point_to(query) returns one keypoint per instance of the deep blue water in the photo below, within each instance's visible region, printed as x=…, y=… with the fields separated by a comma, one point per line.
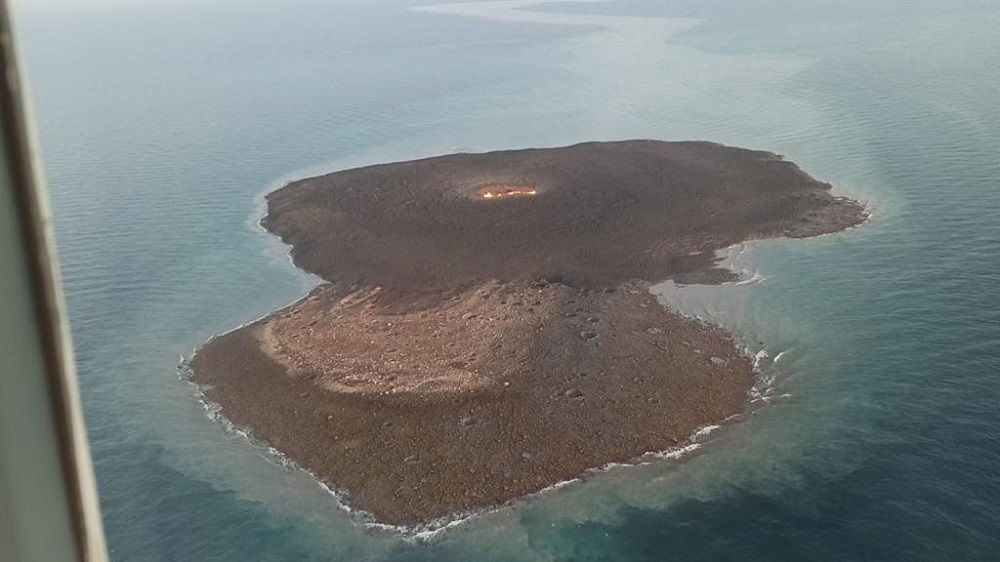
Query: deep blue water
x=162, y=123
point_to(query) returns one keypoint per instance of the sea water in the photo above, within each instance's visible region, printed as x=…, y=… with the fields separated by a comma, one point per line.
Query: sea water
x=875, y=432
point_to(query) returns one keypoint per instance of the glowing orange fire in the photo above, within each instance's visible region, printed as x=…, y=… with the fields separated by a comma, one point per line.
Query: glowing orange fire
x=500, y=192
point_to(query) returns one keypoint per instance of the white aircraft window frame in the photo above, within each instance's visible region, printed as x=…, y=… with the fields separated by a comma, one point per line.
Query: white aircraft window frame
x=48, y=499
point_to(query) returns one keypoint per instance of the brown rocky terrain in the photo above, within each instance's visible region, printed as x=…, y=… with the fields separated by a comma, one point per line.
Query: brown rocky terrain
x=487, y=330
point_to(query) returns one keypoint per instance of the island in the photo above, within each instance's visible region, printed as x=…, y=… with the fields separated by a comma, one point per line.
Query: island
x=485, y=327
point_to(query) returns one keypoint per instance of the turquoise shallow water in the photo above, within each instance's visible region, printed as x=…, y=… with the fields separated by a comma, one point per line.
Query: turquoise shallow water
x=161, y=125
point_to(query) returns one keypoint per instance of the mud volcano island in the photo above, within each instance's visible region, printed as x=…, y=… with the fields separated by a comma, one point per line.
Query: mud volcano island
x=486, y=328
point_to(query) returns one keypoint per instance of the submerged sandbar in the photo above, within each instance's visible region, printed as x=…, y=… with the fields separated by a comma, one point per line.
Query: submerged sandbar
x=486, y=329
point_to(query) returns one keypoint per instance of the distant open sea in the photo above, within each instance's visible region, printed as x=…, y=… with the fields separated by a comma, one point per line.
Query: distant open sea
x=162, y=123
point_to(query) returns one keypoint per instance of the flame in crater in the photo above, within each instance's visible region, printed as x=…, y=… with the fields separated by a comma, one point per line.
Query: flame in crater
x=500, y=192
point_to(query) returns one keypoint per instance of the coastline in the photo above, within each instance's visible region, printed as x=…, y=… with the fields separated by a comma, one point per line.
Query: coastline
x=354, y=495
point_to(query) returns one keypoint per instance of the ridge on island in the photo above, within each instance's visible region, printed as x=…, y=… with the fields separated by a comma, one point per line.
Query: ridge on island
x=486, y=329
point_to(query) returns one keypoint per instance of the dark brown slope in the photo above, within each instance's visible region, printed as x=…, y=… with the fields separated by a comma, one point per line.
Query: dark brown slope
x=604, y=213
